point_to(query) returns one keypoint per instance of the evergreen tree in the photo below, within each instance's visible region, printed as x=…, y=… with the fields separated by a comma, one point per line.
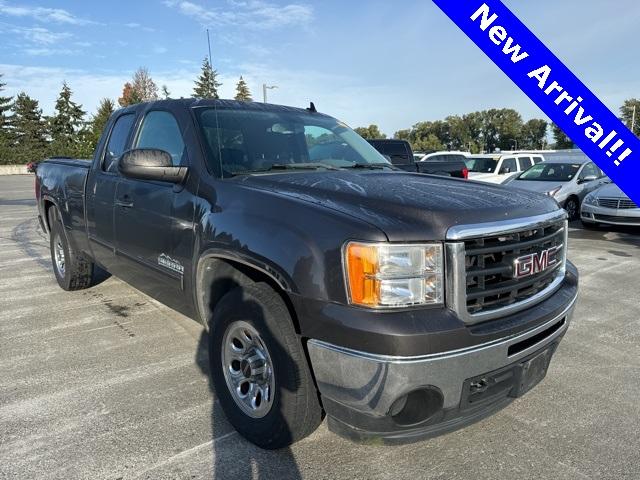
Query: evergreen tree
x=29, y=131
x=242, y=91
x=562, y=140
x=206, y=84
x=99, y=121
x=5, y=106
x=66, y=125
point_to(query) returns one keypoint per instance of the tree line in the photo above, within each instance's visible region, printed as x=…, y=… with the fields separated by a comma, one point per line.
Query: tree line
x=26, y=134
x=487, y=130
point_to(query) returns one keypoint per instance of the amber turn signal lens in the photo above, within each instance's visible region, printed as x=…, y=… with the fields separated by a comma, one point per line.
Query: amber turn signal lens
x=362, y=266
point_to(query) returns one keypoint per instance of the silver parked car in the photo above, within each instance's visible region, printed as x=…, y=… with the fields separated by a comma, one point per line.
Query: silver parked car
x=567, y=181
x=609, y=205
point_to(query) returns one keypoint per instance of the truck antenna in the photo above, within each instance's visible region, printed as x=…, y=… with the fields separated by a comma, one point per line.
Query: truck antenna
x=312, y=108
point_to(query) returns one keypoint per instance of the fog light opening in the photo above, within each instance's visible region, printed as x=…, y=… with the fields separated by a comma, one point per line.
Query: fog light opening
x=417, y=406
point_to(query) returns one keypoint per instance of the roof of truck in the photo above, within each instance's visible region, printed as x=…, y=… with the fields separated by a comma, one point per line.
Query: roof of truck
x=223, y=104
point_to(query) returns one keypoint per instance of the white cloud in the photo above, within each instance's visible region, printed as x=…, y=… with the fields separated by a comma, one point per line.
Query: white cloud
x=247, y=13
x=159, y=50
x=47, y=52
x=40, y=35
x=42, y=14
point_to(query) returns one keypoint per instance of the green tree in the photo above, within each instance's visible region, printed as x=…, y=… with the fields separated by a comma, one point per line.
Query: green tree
x=29, y=131
x=207, y=84
x=534, y=134
x=627, y=114
x=404, y=134
x=166, y=94
x=371, y=132
x=562, y=141
x=5, y=142
x=242, y=91
x=66, y=125
x=99, y=121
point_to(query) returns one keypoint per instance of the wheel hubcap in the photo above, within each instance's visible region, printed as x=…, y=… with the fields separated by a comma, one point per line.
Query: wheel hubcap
x=58, y=255
x=572, y=208
x=248, y=370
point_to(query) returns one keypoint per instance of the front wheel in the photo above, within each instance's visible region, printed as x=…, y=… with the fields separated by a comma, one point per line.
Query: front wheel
x=259, y=369
x=572, y=206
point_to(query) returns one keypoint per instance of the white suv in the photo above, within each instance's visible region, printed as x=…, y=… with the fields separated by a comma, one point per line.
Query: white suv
x=498, y=167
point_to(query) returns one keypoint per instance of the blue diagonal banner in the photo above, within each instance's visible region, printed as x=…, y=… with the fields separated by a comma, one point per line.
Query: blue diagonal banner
x=552, y=86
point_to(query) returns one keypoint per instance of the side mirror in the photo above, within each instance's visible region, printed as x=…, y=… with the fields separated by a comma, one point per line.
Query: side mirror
x=588, y=178
x=505, y=170
x=150, y=164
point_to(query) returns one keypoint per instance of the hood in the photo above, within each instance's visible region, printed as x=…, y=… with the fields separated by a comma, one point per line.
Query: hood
x=535, y=185
x=405, y=206
x=610, y=190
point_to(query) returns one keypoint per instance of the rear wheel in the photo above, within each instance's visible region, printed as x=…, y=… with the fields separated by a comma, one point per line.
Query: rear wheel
x=259, y=369
x=71, y=268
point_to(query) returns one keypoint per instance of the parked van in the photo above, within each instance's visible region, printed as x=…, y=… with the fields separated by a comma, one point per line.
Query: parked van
x=498, y=167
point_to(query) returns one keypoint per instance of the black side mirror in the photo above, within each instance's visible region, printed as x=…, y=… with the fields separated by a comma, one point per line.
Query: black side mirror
x=150, y=164
x=588, y=178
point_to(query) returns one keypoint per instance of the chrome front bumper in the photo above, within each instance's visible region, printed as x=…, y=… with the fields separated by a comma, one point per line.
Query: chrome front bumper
x=611, y=216
x=369, y=384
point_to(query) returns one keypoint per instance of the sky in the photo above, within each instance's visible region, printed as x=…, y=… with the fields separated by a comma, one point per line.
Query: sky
x=392, y=63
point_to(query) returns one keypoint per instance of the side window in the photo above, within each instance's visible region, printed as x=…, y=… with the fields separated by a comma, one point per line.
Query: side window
x=537, y=160
x=160, y=130
x=510, y=164
x=589, y=170
x=117, y=142
x=525, y=162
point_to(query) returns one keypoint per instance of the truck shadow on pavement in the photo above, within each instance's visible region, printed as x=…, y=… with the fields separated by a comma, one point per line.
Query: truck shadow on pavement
x=233, y=456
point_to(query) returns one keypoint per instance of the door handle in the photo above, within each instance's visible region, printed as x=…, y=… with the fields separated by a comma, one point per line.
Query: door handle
x=125, y=202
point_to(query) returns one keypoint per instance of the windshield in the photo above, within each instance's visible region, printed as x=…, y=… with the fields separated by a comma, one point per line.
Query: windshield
x=250, y=141
x=481, y=164
x=551, y=172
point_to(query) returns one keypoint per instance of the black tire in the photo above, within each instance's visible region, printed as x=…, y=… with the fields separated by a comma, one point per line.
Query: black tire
x=76, y=272
x=572, y=206
x=295, y=411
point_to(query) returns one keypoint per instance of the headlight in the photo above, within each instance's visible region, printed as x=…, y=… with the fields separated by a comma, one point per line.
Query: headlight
x=591, y=199
x=554, y=192
x=388, y=275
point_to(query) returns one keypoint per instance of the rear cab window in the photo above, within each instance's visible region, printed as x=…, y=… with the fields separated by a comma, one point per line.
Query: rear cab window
x=117, y=142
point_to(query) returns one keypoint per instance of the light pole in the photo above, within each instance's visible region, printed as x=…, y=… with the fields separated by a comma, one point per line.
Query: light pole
x=515, y=142
x=266, y=87
x=633, y=119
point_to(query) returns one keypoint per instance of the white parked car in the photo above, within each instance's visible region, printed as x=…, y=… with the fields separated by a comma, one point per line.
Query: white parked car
x=609, y=205
x=499, y=167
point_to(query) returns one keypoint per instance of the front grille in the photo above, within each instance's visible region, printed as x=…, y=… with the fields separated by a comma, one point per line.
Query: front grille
x=490, y=260
x=618, y=203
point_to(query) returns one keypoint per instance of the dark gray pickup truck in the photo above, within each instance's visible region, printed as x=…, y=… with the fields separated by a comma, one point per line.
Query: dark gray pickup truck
x=399, y=305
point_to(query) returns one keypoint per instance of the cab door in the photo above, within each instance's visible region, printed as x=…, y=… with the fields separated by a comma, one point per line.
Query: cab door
x=144, y=211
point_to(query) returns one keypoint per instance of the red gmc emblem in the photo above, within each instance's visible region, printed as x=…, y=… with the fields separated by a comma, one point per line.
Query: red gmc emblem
x=528, y=265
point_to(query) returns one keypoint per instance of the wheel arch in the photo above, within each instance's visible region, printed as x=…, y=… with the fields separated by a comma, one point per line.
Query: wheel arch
x=218, y=273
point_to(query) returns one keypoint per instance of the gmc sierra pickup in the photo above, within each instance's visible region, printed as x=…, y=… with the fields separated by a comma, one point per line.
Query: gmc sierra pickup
x=399, y=305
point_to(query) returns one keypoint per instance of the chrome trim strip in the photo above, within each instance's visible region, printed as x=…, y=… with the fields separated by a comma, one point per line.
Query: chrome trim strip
x=463, y=351
x=463, y=232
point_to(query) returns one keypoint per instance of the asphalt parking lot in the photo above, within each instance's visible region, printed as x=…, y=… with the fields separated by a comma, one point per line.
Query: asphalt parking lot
x=107, y=383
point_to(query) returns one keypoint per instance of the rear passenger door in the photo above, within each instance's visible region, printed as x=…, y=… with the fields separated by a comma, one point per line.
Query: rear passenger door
x=144, y=212
x=101, y=190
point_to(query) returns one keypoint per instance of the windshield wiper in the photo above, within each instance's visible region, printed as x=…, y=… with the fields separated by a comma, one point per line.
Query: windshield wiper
x=370, y=166
x=291, y=166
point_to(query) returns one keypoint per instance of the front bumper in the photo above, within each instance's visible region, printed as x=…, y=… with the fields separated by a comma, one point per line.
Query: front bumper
x=610, y=216
x=363, y=393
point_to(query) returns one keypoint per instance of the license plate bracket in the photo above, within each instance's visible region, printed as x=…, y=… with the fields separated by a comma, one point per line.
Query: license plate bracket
x=533, y=370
